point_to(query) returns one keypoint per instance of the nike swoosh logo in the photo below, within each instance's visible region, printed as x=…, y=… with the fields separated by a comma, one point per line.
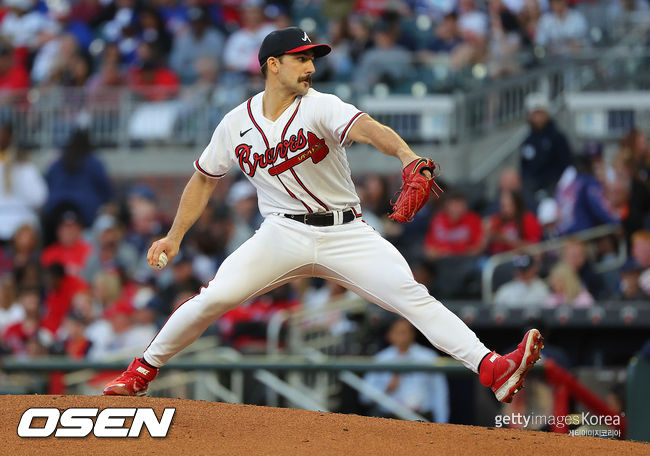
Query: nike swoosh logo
x=241, y=134
x=512, y=367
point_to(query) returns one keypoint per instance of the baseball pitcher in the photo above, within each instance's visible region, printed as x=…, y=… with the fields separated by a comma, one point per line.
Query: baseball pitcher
x=289, y=141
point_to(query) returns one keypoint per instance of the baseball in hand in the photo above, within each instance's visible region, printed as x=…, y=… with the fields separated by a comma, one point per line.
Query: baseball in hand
x=162, y=260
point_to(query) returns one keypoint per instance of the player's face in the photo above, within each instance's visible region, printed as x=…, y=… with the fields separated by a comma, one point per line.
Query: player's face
x=296, y=70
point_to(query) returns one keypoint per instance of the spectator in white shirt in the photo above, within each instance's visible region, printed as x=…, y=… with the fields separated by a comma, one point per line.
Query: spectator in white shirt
x=626, y=9
x=198, y=40
x=419, y=391
x=526, y=290
x=240, y=51
x=22, y=188
x=473, y=25
x=25, y=26
x=562, y=31
x=514, y=6
x=471, y=20
x=386, y=62
x=127, y=335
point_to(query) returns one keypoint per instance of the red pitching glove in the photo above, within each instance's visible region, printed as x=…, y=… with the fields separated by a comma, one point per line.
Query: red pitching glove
x=416, y=188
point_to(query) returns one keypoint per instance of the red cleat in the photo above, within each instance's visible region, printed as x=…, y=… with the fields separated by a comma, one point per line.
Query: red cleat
x=505, y=374
x=133, y=381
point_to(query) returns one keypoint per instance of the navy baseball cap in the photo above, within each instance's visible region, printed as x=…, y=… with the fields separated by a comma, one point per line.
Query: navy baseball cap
x=290, y=40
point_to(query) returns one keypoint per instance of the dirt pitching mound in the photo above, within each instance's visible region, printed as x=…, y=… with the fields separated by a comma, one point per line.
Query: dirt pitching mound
x=216, y=428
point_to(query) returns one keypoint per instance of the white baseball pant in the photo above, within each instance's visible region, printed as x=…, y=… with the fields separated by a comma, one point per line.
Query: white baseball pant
x=353, y=255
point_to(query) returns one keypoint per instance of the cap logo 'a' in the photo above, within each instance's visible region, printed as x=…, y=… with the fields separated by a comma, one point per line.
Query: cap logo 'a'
x=305, y=37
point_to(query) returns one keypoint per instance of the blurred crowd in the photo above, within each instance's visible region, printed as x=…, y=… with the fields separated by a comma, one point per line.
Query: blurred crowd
x=556, y=192
x=569, y=192
x=74, y=277
x=73, y=273
x=155, y=46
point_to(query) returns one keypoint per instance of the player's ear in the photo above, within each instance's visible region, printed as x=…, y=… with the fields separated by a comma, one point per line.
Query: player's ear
x=273, y=64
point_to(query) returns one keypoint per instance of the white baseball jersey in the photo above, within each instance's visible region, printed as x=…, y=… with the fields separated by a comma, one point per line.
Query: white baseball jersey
x=298, y=165
x=297, y=162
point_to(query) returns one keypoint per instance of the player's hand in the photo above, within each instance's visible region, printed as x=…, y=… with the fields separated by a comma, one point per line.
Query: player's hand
x=426, y=172
x=168, y=245
x=411, y=158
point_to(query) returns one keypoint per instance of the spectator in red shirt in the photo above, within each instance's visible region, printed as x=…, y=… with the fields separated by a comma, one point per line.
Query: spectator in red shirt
x=16, y=335
x=70, y=250
x=512, y=226
x=12, y=76
x=372, y=8
x=455, y=230
x=245, y=327
x=61, y=288
x=150, y=79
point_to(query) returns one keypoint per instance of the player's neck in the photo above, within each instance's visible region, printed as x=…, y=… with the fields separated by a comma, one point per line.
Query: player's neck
x=275, y=101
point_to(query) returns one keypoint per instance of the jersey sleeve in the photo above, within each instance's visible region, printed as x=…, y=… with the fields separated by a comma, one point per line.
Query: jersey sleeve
x=337, y=117
x=218, y=157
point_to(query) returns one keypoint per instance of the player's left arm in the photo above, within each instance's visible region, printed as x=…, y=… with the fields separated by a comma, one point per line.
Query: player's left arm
x=368, y=131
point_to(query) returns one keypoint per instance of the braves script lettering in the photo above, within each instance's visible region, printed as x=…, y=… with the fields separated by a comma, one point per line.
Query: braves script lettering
x=250, y=161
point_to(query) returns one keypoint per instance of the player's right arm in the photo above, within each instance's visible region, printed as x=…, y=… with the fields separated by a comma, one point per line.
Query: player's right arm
x=193, y=202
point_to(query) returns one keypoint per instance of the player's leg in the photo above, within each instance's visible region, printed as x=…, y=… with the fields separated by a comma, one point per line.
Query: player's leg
x=359, y=258
x=275, y=254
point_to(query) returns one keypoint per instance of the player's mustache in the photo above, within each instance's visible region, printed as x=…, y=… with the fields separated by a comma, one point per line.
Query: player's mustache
x=305, y=78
